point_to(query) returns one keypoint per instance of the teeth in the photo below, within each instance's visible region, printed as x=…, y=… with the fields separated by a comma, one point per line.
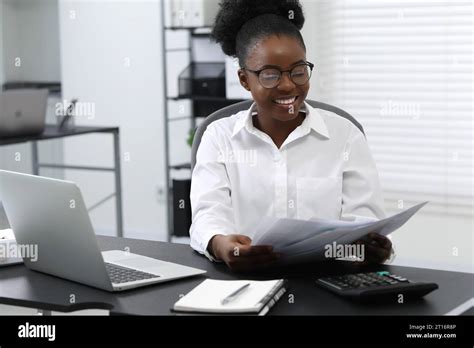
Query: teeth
x=285, y=101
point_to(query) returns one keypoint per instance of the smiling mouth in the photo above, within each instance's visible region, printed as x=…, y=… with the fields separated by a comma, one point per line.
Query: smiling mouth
x=285, y=101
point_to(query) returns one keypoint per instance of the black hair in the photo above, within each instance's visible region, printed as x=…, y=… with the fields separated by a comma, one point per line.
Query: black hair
x=241, y=23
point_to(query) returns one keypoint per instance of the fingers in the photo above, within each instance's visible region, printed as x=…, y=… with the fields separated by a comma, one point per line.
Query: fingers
x=250, y=263
x=253, y=254
x=257, y=260
x=248, y=250
x=376, y=254
x=249, y=258
x=383, y=241
x=243, y=239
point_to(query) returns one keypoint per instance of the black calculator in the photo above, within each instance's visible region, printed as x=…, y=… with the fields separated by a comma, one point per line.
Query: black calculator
x=375, y=286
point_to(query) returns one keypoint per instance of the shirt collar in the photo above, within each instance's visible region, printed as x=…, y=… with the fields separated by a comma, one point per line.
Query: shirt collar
x=313, y=120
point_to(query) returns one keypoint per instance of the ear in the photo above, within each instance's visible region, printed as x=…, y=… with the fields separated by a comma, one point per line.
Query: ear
x=243, y=78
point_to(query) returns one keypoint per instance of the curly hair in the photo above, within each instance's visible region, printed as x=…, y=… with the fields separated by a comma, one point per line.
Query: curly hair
x=239, y=24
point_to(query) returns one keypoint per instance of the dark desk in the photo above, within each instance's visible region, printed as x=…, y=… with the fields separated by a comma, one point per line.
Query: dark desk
x=22, y=287
x=52, y=132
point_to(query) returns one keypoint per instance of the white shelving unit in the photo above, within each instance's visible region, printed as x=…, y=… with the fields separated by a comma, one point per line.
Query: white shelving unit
x=185, y=41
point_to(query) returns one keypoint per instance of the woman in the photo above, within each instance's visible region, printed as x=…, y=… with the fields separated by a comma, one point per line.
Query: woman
x=281, y=157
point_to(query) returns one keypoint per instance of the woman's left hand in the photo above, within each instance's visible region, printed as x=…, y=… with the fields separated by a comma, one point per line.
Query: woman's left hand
x=377, y=248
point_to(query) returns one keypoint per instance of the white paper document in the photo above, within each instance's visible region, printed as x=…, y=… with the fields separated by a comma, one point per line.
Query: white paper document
x=305, y=240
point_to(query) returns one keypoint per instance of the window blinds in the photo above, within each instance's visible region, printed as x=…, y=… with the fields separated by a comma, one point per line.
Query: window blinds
x=404, y=70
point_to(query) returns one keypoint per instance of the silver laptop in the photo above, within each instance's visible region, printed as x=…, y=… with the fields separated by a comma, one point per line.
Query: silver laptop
x=51, y=215
x=22, y=112
x=6, y=242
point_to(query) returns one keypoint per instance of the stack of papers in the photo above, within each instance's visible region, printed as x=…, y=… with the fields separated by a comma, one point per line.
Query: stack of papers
x=305, y=240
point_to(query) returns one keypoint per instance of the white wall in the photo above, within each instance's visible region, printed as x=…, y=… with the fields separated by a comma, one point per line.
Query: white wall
x=2, y=21
x=29, y=30
x=31, y=33
x=111, y=56
x=427, y=240
x=436, y=241
x=3, y=220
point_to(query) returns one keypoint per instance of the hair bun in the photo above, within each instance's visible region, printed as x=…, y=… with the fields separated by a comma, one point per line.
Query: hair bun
x=233, y=14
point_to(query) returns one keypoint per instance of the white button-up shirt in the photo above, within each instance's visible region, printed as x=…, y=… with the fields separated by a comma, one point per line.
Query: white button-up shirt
x=323, y=169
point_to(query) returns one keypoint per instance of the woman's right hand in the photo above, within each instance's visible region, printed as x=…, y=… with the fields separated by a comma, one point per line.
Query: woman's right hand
x=238, y=253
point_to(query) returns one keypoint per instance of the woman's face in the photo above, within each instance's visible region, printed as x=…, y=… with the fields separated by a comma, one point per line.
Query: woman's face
x=283, y=52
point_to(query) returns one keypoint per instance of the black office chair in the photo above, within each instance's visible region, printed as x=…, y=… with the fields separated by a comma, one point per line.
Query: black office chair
x=245, y=105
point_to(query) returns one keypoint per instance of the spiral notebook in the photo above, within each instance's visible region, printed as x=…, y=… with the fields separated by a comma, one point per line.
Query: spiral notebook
x=257, y=297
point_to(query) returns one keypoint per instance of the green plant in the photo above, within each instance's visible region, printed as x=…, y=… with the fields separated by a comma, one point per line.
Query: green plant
x=191, y=137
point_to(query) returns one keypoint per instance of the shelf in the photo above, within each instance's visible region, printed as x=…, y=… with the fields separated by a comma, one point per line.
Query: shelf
x=205, y=106
x=204, y=98
x=180, y=118
x=206, y=29
x=194, y=31
x=180, y=166
x=178, y=49
x=53, y=86
x=200, y=104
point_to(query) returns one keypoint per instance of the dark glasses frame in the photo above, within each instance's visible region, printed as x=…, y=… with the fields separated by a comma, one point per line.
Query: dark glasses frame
x=258, y=72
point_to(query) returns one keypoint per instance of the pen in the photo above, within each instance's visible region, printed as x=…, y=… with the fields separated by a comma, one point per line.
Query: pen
x=235, y=294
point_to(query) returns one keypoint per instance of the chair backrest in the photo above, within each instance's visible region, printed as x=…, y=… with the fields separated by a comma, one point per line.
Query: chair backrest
x=245, y=105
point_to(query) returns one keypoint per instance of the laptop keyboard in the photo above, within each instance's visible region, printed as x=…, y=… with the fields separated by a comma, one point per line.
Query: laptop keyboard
x=119, y=274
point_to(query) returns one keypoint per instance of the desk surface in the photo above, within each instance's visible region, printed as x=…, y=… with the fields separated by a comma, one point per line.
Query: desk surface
x=52, y=132
x=22, y=287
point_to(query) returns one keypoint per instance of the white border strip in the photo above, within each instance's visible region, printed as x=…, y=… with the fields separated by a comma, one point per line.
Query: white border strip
x=462, y=307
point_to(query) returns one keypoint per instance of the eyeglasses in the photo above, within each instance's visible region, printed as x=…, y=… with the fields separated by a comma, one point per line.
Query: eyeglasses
x=270, y=77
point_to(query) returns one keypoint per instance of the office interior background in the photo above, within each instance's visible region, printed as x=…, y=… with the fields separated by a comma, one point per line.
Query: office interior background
x=403, y=69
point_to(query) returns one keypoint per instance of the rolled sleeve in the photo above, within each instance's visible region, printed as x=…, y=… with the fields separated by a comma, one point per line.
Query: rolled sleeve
x=211, y=202
x=361, y=192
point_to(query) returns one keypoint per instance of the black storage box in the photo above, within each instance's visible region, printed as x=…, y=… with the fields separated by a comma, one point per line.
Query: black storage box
x=203, y=79
x=181, y=207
